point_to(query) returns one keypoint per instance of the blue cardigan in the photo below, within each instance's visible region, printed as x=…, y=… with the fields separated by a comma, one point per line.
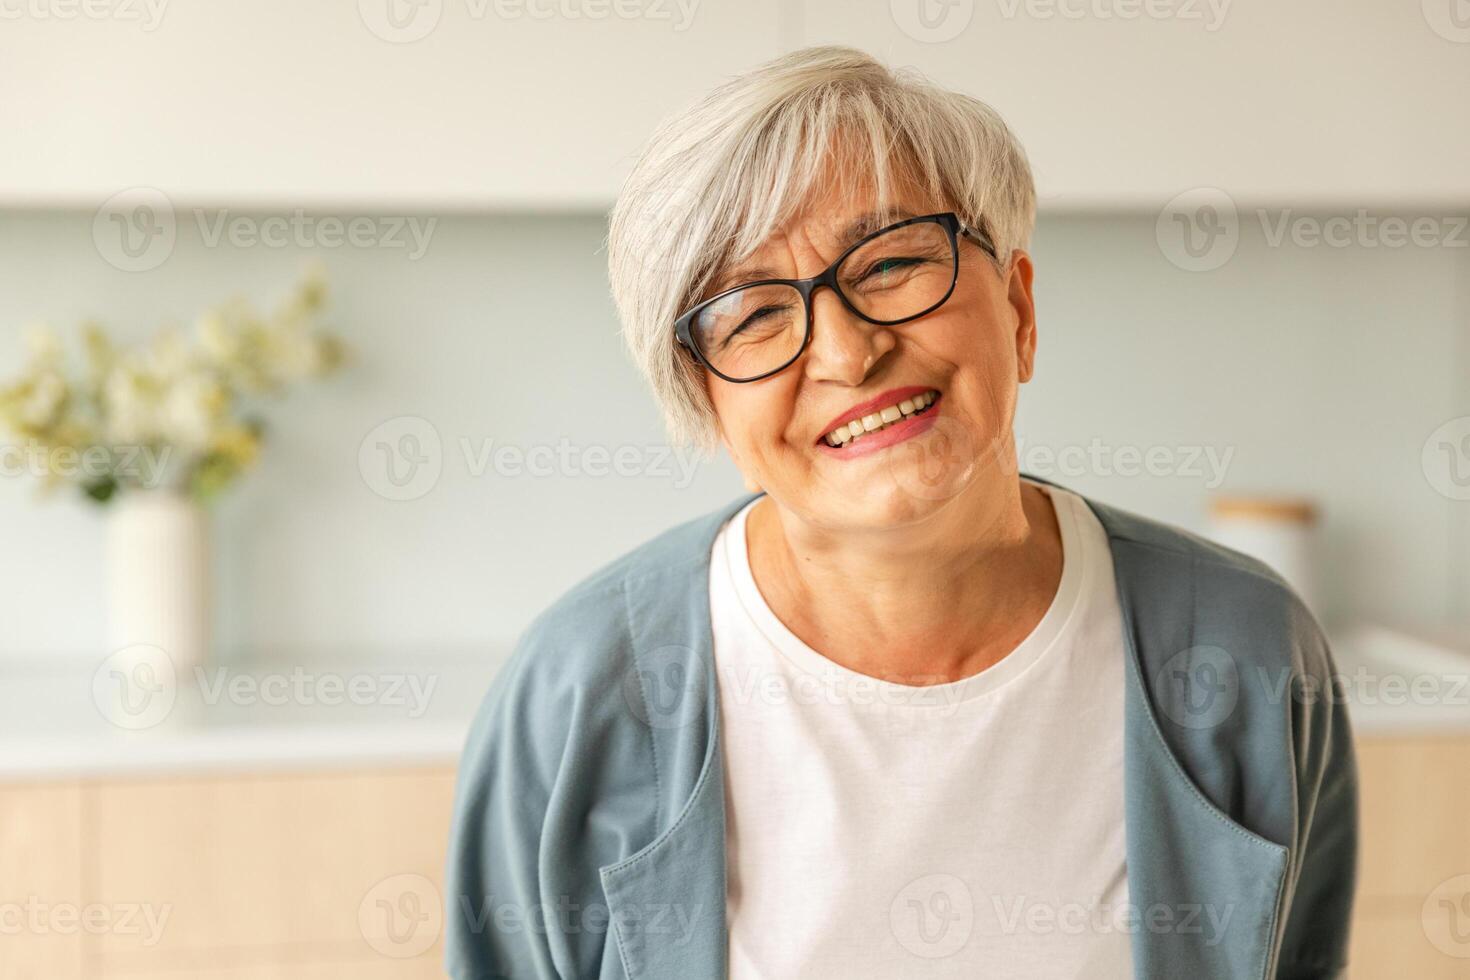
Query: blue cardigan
x=589, y=824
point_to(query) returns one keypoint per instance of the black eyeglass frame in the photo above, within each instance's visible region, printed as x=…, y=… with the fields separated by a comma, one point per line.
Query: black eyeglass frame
x=947, y=220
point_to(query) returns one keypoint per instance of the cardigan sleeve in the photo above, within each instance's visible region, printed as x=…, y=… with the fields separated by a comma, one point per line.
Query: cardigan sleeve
x=493, y=885
x=556, y=782
x=1317, y=920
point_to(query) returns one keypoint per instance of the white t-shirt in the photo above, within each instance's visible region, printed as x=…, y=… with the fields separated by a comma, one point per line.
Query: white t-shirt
x=966, y=829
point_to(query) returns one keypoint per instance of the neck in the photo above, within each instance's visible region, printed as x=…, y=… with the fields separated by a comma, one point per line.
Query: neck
x=919, y=604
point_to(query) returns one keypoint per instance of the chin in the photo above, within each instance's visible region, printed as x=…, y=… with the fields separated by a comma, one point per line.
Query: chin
x=899, y=491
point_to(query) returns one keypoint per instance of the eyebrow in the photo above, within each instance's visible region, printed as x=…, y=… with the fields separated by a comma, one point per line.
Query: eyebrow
x=742, y=277
x=866, y=224
x=860, y=227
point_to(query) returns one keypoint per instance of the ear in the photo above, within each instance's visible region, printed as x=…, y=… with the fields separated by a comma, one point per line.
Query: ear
x=1023, y=305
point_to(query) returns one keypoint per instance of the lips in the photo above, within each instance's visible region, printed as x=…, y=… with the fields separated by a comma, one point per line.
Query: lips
x=876, y=441
x=872, y=406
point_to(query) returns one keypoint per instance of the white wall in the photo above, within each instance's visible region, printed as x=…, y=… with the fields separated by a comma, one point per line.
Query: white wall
x=1323, y=370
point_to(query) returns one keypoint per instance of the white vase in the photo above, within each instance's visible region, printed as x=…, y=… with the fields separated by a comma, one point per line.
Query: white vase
x=158, y=575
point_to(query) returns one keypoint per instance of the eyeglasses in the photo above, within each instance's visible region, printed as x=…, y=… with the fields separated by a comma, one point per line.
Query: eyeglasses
x=894, y=275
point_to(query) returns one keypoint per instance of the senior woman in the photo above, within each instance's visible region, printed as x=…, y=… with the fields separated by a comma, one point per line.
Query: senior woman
x=903, y=711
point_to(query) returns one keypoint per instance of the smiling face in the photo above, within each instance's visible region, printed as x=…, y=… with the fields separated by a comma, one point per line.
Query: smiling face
x=920, y=413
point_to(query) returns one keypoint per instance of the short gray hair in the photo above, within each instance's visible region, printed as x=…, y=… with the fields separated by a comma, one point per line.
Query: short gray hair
x=716, y=180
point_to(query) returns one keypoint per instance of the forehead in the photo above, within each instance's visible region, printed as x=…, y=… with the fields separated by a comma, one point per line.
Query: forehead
x=846, y=202
x=840, y=214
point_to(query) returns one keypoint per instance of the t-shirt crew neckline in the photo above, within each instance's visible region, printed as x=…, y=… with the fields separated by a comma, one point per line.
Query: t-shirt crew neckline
x=1043, y=637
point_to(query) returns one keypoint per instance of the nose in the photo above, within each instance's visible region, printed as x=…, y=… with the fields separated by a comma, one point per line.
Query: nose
x=844, y=347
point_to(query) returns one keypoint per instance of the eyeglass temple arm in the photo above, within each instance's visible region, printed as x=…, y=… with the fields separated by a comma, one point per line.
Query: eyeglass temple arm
x=979, y=238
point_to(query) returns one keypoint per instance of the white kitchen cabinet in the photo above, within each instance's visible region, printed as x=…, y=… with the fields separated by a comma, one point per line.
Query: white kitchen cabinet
x=343, y=103
x=541, y=104
x=1314, y=103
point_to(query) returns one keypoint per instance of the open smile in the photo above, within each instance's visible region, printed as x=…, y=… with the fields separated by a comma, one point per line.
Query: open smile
x=891, y=417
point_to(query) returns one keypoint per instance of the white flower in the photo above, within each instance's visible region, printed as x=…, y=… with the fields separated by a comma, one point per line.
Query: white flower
x=43, y=401
x=217, y=339
x=43, y=346
x=191, y=409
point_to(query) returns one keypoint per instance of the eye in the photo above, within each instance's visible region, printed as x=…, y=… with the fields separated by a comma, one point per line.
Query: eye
x=761, y=317
x=888, y=266
x=764, y=313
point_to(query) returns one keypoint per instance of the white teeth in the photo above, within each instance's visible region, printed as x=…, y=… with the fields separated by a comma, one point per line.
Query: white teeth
x=844, y=434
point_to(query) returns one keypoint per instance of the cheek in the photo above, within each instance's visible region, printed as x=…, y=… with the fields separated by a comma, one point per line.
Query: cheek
x=981, y=336
x=979, y=346
x=753, y=418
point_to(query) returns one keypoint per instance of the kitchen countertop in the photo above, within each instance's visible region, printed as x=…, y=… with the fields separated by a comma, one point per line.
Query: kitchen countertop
x=132, y=714
x=1400, y=684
